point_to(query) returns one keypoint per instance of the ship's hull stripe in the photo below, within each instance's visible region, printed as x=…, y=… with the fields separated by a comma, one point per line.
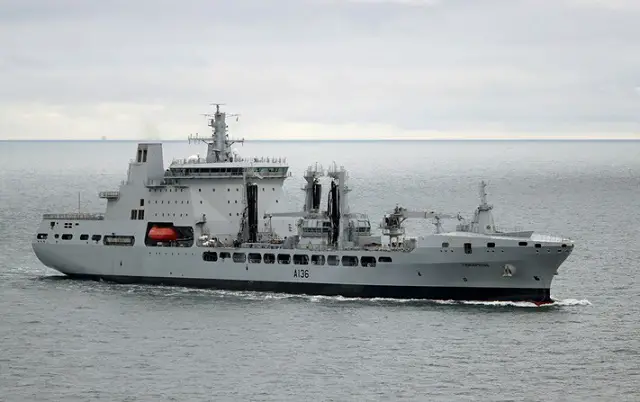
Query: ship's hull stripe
x=539, y=295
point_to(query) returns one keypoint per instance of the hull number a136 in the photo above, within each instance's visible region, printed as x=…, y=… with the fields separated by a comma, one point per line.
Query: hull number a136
x=301, y=273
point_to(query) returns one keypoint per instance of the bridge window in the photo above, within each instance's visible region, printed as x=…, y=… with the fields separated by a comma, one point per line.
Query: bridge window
x=317, y=259
x=239, y=257
x=384, y=258
x=368, y=261
x=210, y=256
x=284, y=259
x=269, y=259
x=255, y=258
x=349, y=261
x=300, y=259
x=467, y=248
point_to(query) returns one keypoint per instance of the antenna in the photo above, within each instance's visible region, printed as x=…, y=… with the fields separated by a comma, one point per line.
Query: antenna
x=218, y=143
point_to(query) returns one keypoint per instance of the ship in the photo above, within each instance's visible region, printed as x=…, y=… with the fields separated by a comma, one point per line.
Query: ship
x=222, y=222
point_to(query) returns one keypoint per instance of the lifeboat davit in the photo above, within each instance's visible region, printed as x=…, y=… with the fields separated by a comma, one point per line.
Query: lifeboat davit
x=163, y=234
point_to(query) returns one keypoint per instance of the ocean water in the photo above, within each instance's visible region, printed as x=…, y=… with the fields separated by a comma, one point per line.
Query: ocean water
x=69, y=340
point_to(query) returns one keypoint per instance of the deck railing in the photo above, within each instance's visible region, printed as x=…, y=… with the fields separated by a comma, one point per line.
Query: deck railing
x=195, y=161
x=75, y=216
x=110, y=195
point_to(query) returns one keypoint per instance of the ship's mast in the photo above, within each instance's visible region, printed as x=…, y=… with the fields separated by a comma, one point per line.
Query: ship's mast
x=219, y=144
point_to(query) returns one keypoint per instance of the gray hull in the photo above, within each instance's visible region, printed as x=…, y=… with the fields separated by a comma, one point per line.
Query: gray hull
x=421, y=274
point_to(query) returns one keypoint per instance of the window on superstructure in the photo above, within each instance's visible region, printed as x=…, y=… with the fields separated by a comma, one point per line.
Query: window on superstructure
x=284, y=259
x=224, y=255
x=141, y=214
x=239, y=257
x=384, y=258
x=115, y=240
x=467, y=248
x=96, y=237
x=333, y=260
x=144, y=155
x=522, y=243
x=300, y=259
x=368, y=261
x=317, y=260
x=42, y=236
x=67, y=236
x=84, y=237
x=210, y=256
x=141, y=202
x=134, y=214
x=491, y=245
x=349, y=260
x=269, y=258
x=255, y=258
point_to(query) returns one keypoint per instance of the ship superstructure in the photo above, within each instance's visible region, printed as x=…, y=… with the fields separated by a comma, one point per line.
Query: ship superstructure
x=220, y=221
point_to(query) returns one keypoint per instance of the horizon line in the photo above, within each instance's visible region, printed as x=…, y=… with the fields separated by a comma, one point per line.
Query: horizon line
x=331, y=140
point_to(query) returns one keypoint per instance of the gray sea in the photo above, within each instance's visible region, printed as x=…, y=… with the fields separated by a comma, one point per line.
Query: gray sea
x=65, y=340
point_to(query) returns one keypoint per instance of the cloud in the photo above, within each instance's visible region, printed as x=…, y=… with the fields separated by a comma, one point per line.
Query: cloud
x=396, y=68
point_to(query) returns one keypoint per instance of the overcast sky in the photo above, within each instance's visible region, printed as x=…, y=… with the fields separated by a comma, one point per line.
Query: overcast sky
x=320, y=68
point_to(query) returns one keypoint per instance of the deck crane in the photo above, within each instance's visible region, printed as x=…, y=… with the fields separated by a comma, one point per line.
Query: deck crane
x=391, y=224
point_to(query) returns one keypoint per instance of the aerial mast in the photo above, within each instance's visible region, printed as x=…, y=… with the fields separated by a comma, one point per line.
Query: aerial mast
x=219, y=144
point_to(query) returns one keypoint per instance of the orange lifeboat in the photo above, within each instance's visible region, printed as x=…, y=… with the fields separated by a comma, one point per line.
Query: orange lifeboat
x=163, y=234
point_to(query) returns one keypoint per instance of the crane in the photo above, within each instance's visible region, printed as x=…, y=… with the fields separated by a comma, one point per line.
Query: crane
x=392, y=222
